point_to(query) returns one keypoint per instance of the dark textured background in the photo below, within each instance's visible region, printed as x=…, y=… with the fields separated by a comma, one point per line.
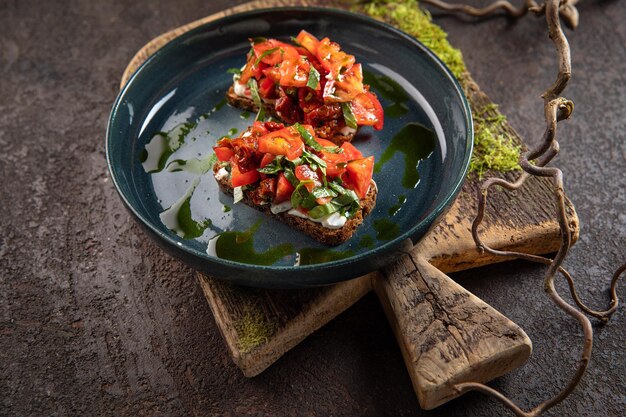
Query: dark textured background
x=95, y=320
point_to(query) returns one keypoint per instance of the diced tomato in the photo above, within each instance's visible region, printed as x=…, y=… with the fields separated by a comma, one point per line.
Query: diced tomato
x=308, y=41
x=259, y=128
x=267, y=88
x=239, y=178
x=325, y=142
x=345, y=86
x=282, y=142
x=273, y=73
x=283, y=189
x=305, y=173
x=294, y=71
x=223, y=153
x=367, y=110
x=279, y=49
x=251, y=70
x=358, y=175
x=351, y=152
x=335, y=163
x=323, y=115
x=332, y=58
x=287, y=108
x=265, y=192
x=267, y=158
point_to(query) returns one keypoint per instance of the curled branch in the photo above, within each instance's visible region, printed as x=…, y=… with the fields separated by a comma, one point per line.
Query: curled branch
x=567, y=9
x=556, y=109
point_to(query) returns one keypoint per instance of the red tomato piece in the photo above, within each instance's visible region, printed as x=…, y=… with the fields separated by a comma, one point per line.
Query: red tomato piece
x=367, y=110
x=332, y=58
x=283, y=189
x=351, y=152
x=267, y=158
x=252, y=71
x=305, y=173
x=325, y=142
x=335, y=163
x=282, y=142
x=346, y=86
x=273, y=73
x=223, y=153
x=267, y=88
x=239, y=178
x=294, y=71
x=359, y=175
x=323, y=200
x=308, y=41
x=259, y=129
x=277, y=47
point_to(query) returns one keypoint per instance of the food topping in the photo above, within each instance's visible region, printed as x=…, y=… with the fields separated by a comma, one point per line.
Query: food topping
x=291, y=169
x=311, y=81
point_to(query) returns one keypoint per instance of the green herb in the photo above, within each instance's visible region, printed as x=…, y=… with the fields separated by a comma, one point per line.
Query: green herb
x=264, y=54
x=295, y=41
x=314, y=79
x=236, y=71
x=301, y=196
x=309, y=140
x=258, y=39
x=348, y=115
x=291, y=176
x=314, y=161
x=273, y=167
x=254, y=91
x=323, y=192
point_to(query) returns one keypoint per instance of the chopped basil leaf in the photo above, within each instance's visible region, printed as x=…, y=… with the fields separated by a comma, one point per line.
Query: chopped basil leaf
x=264, y=54
x=295, y=41
x=314, y=78
x=348, y=115
x=309, y=140
x=273, y=167
x=324, y=210
x=237, y=194
x=291, y=177
x=236, y=71
x=254, y=91
x=322, y=192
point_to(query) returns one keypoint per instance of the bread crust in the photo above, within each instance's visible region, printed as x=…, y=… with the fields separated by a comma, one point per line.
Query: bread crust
x=315, y=230
x=245, y=103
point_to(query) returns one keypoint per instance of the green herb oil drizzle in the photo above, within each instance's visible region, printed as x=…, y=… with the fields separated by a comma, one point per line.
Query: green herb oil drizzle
x=417, y=143
x=239, y=247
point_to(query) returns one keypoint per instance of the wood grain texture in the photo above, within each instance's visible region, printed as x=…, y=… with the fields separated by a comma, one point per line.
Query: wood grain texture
x=446, y=334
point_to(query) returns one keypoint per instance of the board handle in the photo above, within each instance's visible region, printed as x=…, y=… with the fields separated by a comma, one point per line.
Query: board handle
x=447, y=335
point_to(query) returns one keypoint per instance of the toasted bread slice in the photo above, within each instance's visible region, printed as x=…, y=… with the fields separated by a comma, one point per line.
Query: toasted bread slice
x=315, y=230
x=248, y=104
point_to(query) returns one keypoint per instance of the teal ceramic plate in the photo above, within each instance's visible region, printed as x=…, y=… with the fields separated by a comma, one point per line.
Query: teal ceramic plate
x=172, y=111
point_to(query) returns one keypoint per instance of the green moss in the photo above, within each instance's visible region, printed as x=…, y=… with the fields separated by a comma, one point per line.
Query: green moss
x=407, y=16
x=492, y=150
x=253, y=329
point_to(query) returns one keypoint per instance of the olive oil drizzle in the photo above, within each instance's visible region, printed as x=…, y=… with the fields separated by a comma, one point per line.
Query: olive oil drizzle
x=178, y=217
x=311, y=256
x=239, y=247
x=416, y=142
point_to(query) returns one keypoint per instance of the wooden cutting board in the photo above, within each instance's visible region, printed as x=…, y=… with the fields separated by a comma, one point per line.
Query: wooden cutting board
x=446, y=334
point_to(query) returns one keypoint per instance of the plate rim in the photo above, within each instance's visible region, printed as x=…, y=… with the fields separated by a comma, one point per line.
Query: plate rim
x=430, y=220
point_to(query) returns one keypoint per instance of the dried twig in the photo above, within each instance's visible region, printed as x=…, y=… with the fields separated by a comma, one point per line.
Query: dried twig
x=567, y=9
x=556, y=109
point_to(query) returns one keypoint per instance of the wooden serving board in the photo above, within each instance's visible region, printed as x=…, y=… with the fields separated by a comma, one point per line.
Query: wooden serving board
x=446, y=334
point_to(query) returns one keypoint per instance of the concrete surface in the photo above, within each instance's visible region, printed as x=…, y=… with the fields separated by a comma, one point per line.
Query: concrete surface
x=96, y=320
